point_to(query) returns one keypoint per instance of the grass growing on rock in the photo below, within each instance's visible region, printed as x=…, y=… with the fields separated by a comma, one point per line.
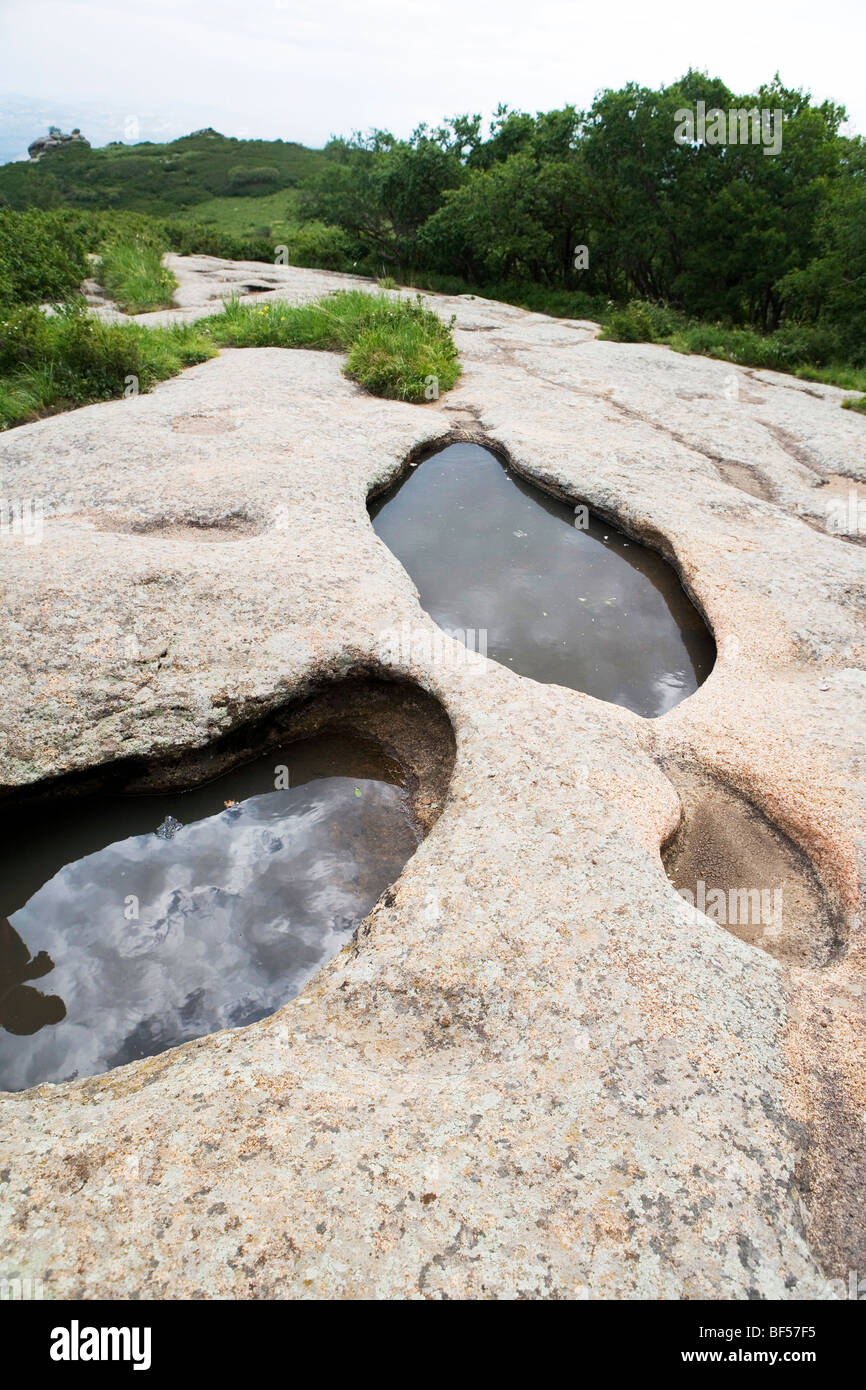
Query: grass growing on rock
x=133, y=275
x=56, y=361
x=396, y=348
x=803, y=350
x=52, y=362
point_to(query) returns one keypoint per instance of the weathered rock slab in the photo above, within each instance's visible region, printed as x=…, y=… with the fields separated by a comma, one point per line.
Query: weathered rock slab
x=535, y=1073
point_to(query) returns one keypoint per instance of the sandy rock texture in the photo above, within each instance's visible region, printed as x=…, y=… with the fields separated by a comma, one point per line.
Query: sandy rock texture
x=535, y=1072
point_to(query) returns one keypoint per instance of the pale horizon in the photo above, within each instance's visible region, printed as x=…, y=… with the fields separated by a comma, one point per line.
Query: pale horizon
x=276, y=70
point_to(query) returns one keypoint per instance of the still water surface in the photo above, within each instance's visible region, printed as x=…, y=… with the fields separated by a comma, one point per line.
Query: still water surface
x=589, y=609
x=117, y=942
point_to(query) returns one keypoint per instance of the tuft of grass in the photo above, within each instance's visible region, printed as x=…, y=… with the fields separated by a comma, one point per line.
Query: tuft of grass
x=396, y=348
x=133, y=275
x=55, y=362
x=26, y=395
x=51, y=362
x=277, y=324
x=403, y=361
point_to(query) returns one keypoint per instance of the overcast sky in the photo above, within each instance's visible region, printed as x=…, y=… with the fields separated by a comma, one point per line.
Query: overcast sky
x=304, y=71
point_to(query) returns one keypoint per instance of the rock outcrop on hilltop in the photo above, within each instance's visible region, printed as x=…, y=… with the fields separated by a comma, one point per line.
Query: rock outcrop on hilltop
x=53, y=140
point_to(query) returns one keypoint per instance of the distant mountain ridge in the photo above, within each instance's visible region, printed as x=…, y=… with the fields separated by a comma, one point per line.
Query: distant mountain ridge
x=23, y=118
x=163, y=178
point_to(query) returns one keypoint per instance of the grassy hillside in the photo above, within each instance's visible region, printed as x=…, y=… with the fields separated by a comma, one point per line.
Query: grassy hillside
x=273, y=215
x=163, y=180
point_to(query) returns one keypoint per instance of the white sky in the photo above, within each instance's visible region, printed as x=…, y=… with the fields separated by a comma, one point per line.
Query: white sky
x=304, y=71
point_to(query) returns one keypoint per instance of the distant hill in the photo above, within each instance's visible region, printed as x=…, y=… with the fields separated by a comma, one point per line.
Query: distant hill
x=24, y=117
x=163, y=179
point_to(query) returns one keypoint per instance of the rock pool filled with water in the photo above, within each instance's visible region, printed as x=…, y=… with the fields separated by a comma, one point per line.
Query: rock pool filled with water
x=129, y=924
x=580, y=606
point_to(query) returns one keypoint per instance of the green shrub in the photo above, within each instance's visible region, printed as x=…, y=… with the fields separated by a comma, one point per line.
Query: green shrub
x=641, y=322
x=24, y=335
x=319, y=246
x=244, y=180
x=193, y=239
x=161, y=179
x=443, y=284
x=790, y=347
x=815, y=351
x=42, y=259
x=567, y=304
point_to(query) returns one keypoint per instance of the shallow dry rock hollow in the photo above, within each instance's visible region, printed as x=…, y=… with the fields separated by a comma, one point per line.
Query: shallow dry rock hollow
x=535, y=1071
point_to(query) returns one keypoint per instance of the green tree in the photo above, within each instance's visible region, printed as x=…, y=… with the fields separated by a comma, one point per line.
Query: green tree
x=831, y=289
x=381, y=191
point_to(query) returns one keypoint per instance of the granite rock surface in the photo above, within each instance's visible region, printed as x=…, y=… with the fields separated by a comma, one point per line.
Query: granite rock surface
x=535, y=1072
